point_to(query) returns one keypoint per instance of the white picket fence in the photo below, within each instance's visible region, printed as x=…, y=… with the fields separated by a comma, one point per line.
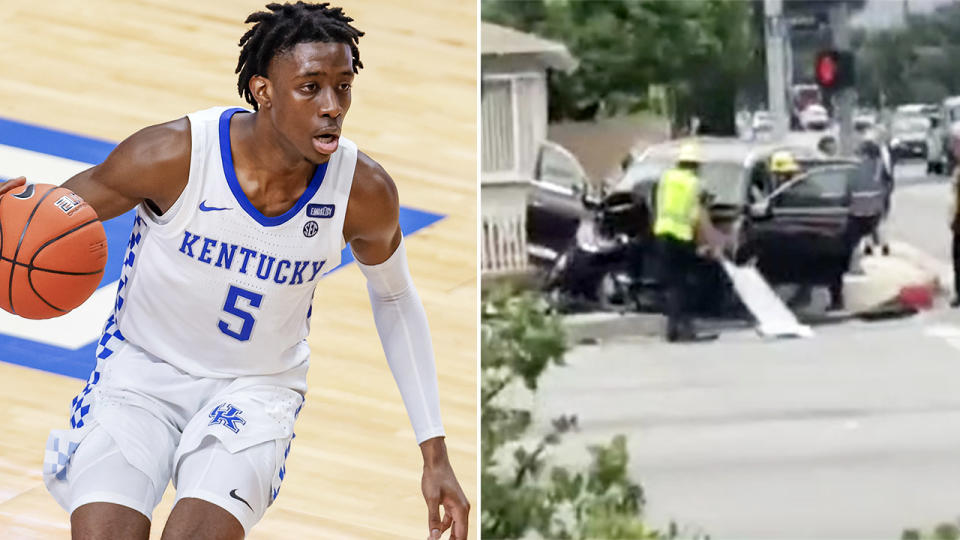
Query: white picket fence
x=503, y=227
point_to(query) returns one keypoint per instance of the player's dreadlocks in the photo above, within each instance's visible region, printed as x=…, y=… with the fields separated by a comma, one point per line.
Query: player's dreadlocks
x=285, y=26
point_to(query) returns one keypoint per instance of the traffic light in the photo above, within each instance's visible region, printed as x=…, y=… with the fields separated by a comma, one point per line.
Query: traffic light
x=834, y=70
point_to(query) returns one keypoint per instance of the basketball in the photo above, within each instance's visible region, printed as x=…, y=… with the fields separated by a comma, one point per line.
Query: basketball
x=53, y=251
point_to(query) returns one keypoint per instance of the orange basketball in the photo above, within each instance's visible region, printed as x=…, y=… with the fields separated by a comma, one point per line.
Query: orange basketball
x=52, y=251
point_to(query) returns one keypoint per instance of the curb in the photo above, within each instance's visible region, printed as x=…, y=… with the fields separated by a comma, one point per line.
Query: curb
x=601, y=326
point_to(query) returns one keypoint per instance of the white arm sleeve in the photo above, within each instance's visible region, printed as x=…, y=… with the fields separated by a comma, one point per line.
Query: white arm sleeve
x=405, y=336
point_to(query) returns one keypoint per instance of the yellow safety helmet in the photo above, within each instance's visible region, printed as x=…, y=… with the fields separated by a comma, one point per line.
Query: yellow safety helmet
x=783, y=162
x=689, y=153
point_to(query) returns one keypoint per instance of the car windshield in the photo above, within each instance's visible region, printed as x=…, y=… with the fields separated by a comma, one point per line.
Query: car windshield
x=805, y=95
x=723, y=179
x=907, y=124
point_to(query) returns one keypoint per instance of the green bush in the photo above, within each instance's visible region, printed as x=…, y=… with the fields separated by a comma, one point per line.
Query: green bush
x=519, y=340
x=943, y=531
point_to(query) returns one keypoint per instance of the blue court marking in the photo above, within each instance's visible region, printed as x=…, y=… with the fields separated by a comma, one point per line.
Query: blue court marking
x=32, y=354
x=53, y=142
x=80, y=362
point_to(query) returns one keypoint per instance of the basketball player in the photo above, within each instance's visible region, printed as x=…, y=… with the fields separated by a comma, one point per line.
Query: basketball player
x=201, y=369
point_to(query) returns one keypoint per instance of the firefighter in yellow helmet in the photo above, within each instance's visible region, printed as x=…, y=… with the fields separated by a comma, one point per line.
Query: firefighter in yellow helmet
x=783, y=167
x=679, y=215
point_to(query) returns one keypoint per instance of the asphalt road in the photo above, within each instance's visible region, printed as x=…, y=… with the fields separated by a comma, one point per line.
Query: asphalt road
x=920, y=210
x=854, y=433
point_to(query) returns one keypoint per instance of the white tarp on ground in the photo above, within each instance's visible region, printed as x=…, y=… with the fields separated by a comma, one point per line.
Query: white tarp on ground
x=773, y=317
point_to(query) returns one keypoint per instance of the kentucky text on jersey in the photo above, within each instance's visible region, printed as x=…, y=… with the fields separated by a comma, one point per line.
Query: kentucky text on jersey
x=248, y=261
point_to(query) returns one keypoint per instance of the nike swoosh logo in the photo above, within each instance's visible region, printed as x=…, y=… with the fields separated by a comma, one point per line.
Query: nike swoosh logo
x=26, y=194
x=233, y=493
x=205, y=208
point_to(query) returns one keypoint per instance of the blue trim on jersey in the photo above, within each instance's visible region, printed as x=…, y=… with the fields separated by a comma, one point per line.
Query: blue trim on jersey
x=226, y=156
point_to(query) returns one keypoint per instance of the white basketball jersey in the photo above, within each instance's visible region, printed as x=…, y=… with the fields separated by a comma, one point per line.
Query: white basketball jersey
x=216, y=288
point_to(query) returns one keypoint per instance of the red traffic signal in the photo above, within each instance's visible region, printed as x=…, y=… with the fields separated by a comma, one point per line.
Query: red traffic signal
x=826, y=70
x=834, y=69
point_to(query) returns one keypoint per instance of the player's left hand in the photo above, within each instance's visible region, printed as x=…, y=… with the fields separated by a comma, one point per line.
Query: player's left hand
x=11, y=184
x=440, y=488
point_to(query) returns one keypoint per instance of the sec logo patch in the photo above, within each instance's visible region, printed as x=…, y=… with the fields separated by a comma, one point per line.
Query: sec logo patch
x=310, y=228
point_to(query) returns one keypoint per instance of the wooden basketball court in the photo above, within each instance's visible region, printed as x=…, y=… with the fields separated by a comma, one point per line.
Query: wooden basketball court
x=104, y=69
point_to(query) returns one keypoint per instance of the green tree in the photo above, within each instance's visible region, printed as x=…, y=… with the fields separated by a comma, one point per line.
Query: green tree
x=624, y=47
x=913, y=63
x=943, y=531
x=520, y=492
x=525, y=14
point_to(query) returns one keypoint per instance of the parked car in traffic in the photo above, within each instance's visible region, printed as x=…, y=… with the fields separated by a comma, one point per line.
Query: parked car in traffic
x=803, y=96
x=762, y=123
x=864, y=120
x=908, y=135
x=917, y=109
x=814, y=117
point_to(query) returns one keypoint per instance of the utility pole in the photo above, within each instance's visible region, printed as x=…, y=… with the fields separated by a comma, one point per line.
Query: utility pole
x=844, y=100
x=776, y=78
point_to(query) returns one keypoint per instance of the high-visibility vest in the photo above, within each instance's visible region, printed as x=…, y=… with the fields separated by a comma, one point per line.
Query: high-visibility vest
x=677, y=205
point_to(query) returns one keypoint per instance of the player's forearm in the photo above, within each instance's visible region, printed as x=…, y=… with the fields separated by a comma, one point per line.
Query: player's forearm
x=434, y=452
x=106, y=201
x=405, y=335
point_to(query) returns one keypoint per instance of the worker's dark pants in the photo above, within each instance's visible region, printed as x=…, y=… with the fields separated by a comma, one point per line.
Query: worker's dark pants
x=677, y=262
x=956, y=264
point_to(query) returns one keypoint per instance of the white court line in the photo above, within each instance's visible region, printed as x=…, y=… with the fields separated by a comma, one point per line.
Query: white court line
x=70, y=331
x=39, y=168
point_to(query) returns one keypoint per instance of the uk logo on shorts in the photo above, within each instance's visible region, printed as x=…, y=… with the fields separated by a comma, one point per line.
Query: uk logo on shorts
x=227, y=415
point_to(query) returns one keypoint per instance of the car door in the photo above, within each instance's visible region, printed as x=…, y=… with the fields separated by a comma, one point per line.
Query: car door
x=555, y=206
x=801, y=232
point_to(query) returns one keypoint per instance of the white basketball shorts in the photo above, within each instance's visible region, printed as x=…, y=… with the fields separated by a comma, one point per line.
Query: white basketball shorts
x=140, y=422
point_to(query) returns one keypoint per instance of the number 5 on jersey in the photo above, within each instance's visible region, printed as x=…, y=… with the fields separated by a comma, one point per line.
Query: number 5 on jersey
x=230, y=306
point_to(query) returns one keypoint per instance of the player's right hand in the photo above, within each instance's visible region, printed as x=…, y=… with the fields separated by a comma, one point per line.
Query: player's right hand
x=12, y=184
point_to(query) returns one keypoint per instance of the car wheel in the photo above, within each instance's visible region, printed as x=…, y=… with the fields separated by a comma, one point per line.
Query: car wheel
x=556, y=271
x=611, y=295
